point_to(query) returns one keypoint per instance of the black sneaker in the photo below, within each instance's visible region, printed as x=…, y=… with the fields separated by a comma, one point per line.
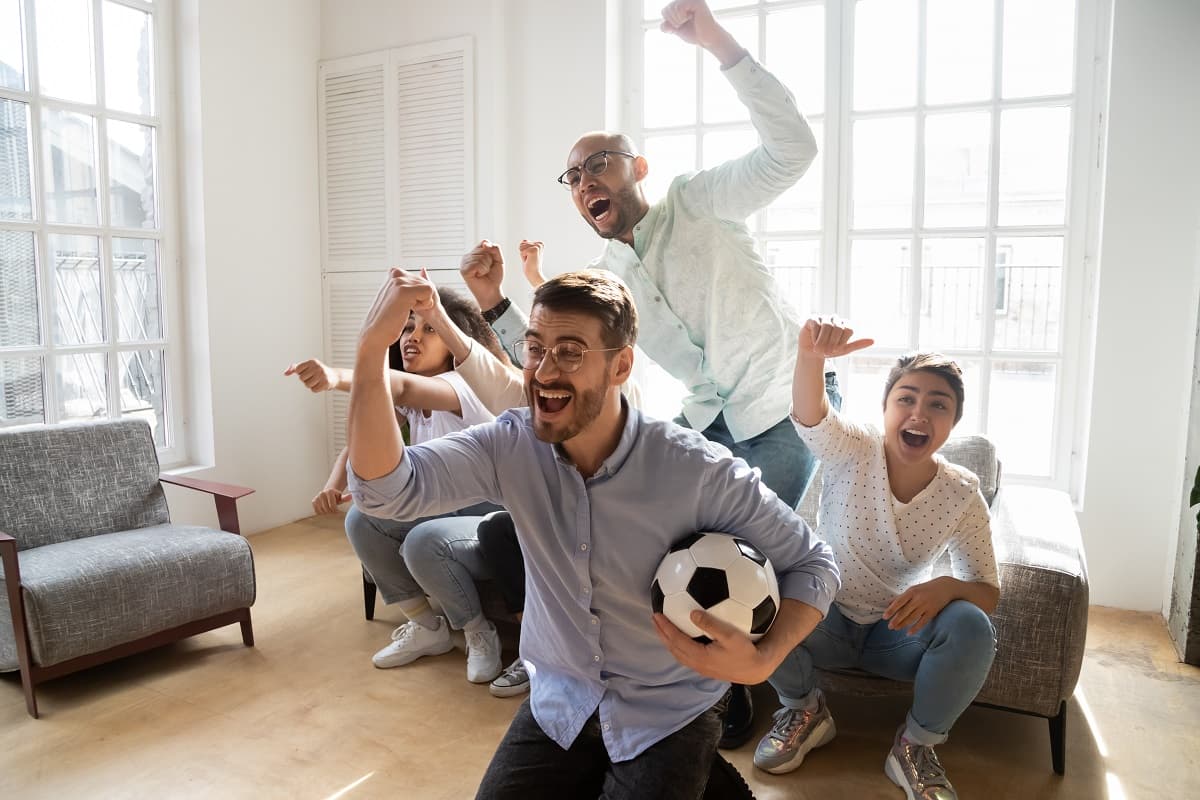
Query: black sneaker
x=739, y=719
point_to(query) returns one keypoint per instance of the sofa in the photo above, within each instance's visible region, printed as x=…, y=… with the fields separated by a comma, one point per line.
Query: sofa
x=1041, y=621
x=93, y=567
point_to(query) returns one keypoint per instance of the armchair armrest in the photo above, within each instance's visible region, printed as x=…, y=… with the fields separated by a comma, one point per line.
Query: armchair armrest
x=16, y=606
x=225, y=495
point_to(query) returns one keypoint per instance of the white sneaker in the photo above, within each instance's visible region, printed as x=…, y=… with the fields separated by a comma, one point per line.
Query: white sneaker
x=514, y=680
x=483, y=655
x=411, y=641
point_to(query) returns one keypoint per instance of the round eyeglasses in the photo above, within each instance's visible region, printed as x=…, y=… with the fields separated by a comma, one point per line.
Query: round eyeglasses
x=595, y=164
x=568, y=356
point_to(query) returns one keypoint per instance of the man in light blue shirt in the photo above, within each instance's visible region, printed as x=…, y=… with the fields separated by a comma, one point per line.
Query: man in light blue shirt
x=711, y=312
x=621, y=701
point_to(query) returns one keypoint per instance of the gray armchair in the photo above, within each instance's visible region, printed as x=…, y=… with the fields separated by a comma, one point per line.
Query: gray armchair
x=93, y=567
x=1041, y=622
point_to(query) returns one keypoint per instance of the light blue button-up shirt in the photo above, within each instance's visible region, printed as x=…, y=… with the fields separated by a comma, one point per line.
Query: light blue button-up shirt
x=709, y=310
x=591, y=548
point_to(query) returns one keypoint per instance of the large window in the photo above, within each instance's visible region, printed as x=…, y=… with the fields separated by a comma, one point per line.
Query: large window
x=83, y=259
x=944, y=211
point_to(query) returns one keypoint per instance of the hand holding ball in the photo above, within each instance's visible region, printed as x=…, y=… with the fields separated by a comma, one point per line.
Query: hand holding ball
x=726, y=576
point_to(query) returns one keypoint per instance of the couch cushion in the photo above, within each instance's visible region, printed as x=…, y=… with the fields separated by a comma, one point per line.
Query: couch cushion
x=68, y=481
x=90, y=594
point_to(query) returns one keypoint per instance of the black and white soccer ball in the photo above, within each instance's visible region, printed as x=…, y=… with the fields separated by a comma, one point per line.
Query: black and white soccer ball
x=721, y=574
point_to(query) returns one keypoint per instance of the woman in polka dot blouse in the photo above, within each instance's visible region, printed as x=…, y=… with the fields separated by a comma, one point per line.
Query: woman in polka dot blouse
x=890, y=507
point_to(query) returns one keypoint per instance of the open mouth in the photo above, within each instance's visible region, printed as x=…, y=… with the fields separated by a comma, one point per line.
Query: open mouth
x=914, y=438
x=551, y=401
x=411, y=352
x=599, y=208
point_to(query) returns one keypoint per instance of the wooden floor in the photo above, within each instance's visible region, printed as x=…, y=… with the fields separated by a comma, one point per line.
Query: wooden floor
x=305, y=715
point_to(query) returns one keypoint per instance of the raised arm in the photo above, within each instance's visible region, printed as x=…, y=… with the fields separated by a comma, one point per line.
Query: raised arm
x=375, y=443
x=737, y=188
x=820, y=339
x=320, y=377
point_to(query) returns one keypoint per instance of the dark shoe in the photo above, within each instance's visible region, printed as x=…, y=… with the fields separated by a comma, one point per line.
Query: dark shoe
x=739, y=719
x=725, y=782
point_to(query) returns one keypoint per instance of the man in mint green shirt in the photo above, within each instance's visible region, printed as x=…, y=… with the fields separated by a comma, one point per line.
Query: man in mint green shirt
x=710, y=309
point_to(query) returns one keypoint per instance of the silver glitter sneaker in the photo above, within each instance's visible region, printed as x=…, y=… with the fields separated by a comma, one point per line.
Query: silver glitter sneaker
x=792, y=736
x=915, y=769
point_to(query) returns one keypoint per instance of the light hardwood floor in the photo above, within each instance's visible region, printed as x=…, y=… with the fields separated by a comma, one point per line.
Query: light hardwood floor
x=305, y=715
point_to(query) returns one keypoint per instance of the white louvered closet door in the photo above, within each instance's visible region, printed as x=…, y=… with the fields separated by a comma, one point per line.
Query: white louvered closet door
x=396, y=140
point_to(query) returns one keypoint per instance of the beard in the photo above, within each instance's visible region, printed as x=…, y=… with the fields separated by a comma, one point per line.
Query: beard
x=623, y=209
x=588, y=405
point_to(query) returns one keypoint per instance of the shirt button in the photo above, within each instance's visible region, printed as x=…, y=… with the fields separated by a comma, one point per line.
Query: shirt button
x=596, y=658
x=657, y=299
x=595, y=621
x=607, y=726
x=583, y=547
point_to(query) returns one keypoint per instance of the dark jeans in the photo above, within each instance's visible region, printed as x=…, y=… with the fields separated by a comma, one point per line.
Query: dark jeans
x=786, y=463
x=529, y=765
x=498, y=544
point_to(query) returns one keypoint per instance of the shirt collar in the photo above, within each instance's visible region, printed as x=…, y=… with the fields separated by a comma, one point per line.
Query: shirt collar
x=616, y=459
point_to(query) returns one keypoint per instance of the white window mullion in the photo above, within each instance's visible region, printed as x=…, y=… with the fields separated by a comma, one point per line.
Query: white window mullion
x=845, y=167
x=987, y=335
x=833, y=125
x=108, y=302
x=918, y=203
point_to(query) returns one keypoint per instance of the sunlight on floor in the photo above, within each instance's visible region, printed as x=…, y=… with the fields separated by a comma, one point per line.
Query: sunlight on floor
x=347, y=789
x=1091, y=721
x=1115, y=790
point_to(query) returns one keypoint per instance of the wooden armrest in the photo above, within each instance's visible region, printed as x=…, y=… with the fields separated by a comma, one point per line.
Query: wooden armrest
x=4, y=537
x=225, y=495
x=220, y=489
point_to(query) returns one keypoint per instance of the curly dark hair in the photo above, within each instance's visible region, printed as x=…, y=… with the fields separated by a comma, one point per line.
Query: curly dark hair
x=464, y=313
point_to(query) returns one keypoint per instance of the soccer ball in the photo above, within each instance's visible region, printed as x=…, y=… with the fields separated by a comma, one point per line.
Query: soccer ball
x=726, y=576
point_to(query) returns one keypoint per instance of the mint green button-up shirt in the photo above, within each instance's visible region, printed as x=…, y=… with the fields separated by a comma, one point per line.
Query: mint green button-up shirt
x=709, y=310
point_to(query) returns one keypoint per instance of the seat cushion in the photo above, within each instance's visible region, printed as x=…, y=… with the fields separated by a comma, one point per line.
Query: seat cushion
x=90, y=594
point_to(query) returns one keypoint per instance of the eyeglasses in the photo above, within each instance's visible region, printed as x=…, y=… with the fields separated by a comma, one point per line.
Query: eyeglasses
x=568, y=356
x=595, y=164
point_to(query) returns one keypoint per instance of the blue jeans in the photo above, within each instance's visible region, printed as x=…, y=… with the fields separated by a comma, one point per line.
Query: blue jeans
x=529, y=765
x=436, y=556
x=947, y=661
x=786, y=464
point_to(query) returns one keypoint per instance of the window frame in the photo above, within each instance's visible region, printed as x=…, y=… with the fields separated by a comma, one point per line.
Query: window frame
x=1079, y=229
x=163, y=122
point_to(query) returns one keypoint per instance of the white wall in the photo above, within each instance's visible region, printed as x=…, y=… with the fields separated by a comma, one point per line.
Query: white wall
x=1148, y=294
x=248, y=170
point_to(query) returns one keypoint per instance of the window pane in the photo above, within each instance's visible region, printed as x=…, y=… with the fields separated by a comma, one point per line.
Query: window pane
x=958, y=51
x=795, y=265
x=885, y=54
x=69, y=148
x=721, y=103
x=131, y=174
x=22, y=399
x=82, y=386
x=12, y=46
x=723, y=146
x=879, y=305
x=956, y=169
x=80, y=309
x=141, y=377
x=799, y=208
x=1021, y=415
x=128, y=59
x=862, y=381
x=883, y=173
x=971, y=421
x=670, y=70
x=951, y=293
x=1033, y=165
x=1039, y=47
x=18, y=290
x=64, y=47
x=652, y=9
x=1028, y=292
x=668, y=157
x=16, y=194
x=135, y=274
x=796, y=54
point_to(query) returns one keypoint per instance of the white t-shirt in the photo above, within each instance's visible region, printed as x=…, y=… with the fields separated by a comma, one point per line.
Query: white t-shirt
x=422, y=428
x=881, y=545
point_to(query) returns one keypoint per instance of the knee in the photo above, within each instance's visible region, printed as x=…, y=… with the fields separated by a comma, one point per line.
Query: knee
x=968, y=627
